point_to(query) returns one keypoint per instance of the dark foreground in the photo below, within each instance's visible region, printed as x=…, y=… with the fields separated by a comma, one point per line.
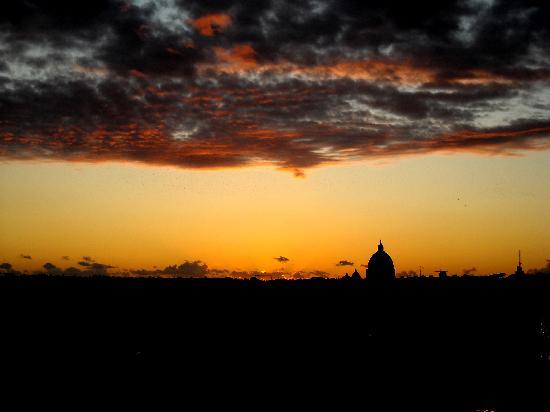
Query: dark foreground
x=417, y=344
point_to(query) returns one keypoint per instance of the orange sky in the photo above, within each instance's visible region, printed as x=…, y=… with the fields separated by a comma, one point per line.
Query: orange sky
x=450, y=212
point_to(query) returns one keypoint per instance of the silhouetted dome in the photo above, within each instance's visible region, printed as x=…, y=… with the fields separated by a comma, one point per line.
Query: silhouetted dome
x=380, y=266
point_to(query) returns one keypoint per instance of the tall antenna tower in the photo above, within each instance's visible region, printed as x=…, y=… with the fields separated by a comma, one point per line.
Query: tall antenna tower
x=519, y=269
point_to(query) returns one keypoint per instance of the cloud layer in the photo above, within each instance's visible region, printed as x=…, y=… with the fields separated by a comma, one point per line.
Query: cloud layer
x=344, y=263
x=212, y=84
x=187, y=269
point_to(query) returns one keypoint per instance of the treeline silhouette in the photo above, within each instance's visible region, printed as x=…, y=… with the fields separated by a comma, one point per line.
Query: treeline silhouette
x=456, y=343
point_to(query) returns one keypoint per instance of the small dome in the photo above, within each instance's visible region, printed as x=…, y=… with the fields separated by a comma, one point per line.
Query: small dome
x=380, y=265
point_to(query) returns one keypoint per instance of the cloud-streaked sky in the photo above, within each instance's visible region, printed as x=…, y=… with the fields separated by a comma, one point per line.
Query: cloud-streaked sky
x=290, y=86
x=210, y=84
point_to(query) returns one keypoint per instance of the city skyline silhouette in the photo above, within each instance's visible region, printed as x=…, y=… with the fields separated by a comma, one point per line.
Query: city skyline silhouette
x=380, y=268
x=271, y=199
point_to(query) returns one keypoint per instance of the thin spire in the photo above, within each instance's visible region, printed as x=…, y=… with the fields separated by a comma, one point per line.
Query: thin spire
x=519, y=269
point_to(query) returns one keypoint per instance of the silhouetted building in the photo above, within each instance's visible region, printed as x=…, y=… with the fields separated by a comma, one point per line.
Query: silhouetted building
x=380, y=267
x=355, y=275
x=442, y=273
x=519, y=267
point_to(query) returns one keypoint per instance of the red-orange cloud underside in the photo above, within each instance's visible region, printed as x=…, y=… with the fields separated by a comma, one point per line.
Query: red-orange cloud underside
x=241, y=59
x=209, y=24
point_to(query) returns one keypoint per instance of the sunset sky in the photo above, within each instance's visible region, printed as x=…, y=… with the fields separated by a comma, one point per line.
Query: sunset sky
x=143, y=134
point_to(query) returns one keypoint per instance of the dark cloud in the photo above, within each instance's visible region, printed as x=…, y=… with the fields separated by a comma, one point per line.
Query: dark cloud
x=281, y=259
x=319, y=274
x=50, y=267
x=188, y=269
x=130, y=40
x=22, y=256
x=7, y=267
x=101, y=267
x=469, y=271
x=65, y=258
x=218, y=273
x=91, y=267
x=545, y=269
x=344, y=263
x=72, y=271
x=209, y=84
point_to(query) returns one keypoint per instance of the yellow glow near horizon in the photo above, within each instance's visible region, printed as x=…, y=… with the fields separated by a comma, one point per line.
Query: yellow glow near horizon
x=450, y=212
